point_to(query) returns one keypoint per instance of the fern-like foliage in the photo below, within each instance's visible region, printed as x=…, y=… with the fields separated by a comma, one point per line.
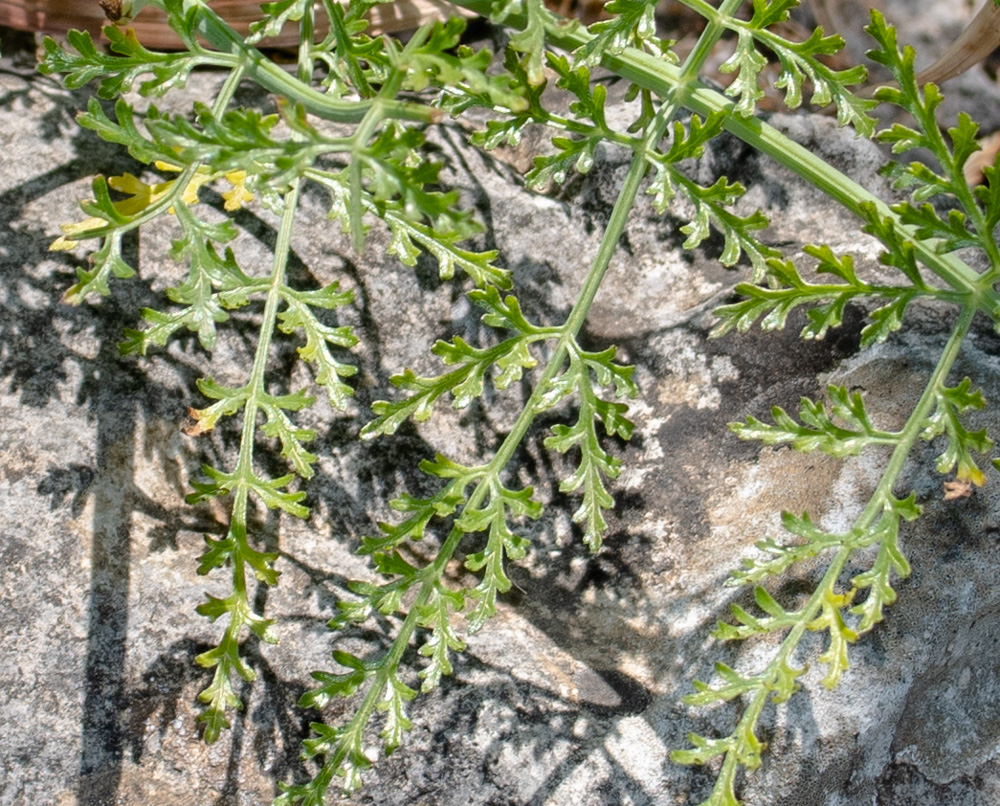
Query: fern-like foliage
x=845, y=428
x=800, y=62
x=845, y=431
x=384, y=169
x=786, y=290
x=377, y=170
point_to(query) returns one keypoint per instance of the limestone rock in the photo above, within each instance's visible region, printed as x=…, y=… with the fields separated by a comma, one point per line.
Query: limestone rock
x=572, y=694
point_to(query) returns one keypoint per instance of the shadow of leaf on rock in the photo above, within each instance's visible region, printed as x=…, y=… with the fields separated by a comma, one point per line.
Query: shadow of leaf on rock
x=55, y=357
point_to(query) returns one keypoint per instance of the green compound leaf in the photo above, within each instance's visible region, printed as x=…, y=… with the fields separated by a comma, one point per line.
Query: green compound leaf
x=345, y=756
x=770, y=12
x=230, y=401
x=419, y=405
x=530, y=41
x=505, y=313
x=299, y=316
x=963, y=139
x=590, y=96
x=397, y=694
x=819, y=430
x=269, y=491
x=466, y=383
x=238, y=139
x=704, y=750
x=333, y=686
x=787, y=290
x=409, y=238
x=421, y=511
x=443, y=63
x=951, y=403
x=950, y=234
x=799, y=61
x=214, y=285
x=221, y=551
x=220, y=696
x=503, y=504
x=687, y=142
x=747, y=63
x=279, y=426
x=831, y=620
x=595, y=463
x=118, y=71
x=436, y=617
x=711, y=211
x=733, y=685
x=779, y=557
x=632, y=23
x=748, y=625
x=889, y=560
x=123, y=131
x=974, y=224
x=108, y=262
x=570, y=155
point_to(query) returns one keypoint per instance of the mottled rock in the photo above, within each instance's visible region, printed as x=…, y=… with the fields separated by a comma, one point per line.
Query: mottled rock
x=571, y=695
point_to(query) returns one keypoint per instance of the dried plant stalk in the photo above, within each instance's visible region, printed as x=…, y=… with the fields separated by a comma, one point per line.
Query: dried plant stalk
x=56, y=16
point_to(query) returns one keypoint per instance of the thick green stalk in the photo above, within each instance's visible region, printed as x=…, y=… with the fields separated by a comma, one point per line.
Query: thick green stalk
x=273, y=78
x=660, y=77
x=669, y=81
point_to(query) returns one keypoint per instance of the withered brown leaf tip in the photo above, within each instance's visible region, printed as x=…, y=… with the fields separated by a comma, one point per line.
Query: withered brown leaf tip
x=112, y=9
x=191, y=425
x=958, y=488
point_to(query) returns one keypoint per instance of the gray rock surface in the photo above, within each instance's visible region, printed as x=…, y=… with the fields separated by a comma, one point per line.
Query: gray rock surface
x=571, y=696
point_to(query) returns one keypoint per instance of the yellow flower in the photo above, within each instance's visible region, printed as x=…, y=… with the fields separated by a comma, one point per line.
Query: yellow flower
x=239, y=195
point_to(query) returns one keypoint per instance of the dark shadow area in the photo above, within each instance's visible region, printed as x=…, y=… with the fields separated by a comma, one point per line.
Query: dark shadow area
x=44, y=345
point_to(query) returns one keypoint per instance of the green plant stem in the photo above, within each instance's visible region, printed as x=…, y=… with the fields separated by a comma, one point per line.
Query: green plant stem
x=874, y=509
x=669, y=81
x=656, y=75
x=703, y=9
x=556, y=122
x=257, y=386
x=917, y=420
x=627, y=196
x=432, y=573
x=273, y=78
x=258, y=382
